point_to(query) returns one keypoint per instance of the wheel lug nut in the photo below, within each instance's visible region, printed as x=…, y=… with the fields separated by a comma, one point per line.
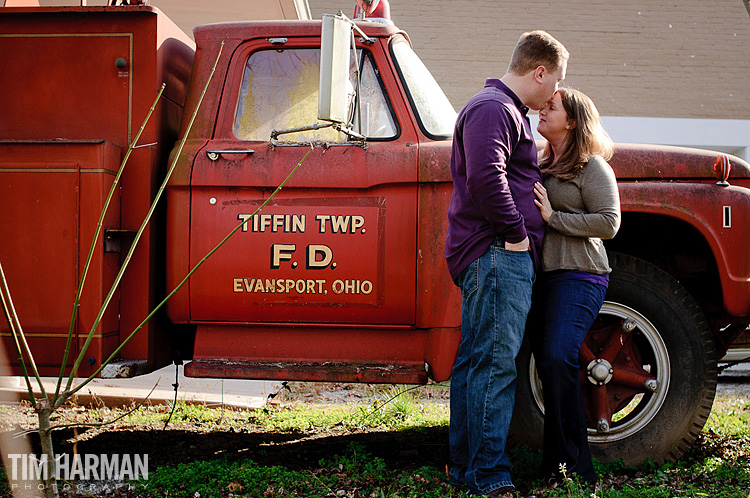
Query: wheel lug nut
x=602, y=425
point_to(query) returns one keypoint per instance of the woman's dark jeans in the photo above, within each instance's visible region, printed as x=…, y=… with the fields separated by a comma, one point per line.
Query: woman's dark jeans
x=562, y=313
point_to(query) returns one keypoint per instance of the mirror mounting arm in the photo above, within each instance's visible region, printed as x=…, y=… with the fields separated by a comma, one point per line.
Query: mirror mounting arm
x=316, y=126
x=349, y=132
x=365, y=39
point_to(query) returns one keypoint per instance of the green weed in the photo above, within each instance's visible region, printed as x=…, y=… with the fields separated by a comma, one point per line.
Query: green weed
x=398, y=408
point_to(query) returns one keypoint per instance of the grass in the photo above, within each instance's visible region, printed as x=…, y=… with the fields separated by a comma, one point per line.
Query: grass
x=717, y=466
x=339, y=475
x=358, y=473
x=730, y=416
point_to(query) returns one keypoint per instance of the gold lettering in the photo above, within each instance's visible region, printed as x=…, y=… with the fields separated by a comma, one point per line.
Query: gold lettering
x=357, y=223
x=278, y=222
x=337, y=287
x=339, y=224
x=265, y=222
x=302, y=286
x=313, y=250
x=366, y=287
x=322, y=221
x=281, y=252
x=244, y=218
x=351, y=287
x=298, y=223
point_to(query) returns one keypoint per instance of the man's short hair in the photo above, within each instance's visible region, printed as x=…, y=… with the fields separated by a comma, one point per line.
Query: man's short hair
x=534, y=49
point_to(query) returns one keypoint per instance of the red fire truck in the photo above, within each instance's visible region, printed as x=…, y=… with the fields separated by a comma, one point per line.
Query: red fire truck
x=341, y=275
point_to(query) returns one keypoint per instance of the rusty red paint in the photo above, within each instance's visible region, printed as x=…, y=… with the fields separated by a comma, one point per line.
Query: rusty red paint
x=662, y=162
x=66, y=135
x=60, y=186
x=702, y=206
x=382, y=348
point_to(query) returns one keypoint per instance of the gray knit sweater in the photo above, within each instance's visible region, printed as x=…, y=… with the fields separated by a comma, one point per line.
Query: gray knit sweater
x=586, y=210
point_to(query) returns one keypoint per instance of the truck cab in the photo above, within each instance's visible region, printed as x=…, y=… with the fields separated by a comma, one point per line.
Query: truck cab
x=341, y=276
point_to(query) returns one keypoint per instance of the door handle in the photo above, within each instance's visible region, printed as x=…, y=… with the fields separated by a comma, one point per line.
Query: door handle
x=215, y=154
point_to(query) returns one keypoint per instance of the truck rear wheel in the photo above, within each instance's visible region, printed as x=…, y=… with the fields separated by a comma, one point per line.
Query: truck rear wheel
x=648, y=370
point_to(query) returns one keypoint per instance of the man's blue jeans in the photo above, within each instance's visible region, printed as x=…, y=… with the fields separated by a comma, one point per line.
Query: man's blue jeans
x=496, y=290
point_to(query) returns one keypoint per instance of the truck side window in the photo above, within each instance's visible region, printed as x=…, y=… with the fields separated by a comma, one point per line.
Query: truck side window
x=377, y=117
x=280, y=91
x=435, y=113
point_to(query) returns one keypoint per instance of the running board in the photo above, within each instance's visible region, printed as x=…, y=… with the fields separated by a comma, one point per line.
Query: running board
x=305, y=371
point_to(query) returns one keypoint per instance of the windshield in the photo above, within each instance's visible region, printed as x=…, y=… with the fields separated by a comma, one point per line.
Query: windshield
x=433, y=109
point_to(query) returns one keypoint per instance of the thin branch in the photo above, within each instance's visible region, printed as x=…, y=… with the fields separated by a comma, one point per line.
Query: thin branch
x=99, y=225
x=330, y=491
x=176, y=394
x=17, y=345
x=116, y=283
x=19, y=338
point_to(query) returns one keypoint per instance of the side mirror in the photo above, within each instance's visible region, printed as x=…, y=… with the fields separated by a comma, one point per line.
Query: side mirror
x=335, y=87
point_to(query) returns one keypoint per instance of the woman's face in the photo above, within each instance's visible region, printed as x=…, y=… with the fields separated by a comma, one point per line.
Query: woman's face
x=553, y=120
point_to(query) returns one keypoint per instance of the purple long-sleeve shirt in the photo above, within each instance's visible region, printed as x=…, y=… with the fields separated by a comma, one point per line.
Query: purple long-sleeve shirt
x=494, y=168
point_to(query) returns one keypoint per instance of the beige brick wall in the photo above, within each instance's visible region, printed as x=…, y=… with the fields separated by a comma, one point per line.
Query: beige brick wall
x=679, y=59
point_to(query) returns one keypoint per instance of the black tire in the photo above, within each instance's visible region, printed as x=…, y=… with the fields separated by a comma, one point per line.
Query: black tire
x=671, y=340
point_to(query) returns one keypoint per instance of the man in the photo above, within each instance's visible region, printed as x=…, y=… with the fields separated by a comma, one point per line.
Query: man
x=494, y=239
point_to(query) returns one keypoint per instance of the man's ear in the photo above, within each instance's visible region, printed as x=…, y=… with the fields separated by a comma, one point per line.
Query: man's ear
x=539, y=73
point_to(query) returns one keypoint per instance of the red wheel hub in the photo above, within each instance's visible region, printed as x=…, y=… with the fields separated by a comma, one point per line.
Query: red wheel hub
x=612, y=371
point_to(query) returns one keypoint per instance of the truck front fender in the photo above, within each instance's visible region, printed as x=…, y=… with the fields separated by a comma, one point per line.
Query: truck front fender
x=720, y=214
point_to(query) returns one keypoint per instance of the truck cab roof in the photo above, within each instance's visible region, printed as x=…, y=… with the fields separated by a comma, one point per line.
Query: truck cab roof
x=268, y=29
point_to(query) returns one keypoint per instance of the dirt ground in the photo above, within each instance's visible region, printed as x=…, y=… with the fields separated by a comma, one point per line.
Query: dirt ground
x=183, y=441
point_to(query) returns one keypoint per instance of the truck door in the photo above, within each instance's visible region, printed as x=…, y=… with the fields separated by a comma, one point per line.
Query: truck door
x=338, y=243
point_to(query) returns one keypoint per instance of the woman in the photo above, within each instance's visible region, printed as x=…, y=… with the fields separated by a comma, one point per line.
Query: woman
x=581, y=205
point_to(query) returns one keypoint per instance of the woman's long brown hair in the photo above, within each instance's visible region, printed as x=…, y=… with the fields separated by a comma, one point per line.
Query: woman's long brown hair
x=586, y=138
